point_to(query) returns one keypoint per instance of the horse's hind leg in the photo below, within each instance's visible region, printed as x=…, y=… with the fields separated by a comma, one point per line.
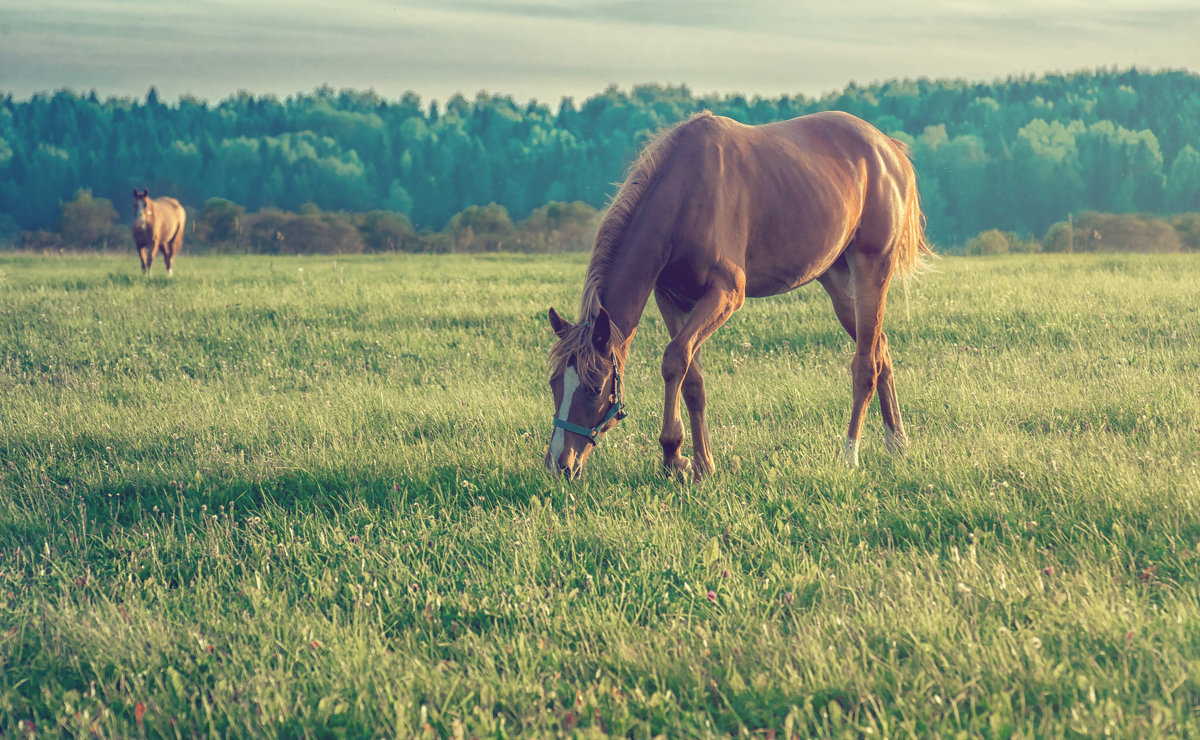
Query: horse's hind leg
x=889, y=405
x=693, y=397
x=870, y=274
x=168, y=256
x=839, y=284
x=173, y=249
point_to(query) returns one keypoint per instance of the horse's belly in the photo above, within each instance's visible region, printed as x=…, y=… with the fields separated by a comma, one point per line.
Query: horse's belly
x=772, y=274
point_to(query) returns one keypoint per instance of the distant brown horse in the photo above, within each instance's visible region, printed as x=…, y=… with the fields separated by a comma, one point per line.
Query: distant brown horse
x=157, y=227
x=714, y=211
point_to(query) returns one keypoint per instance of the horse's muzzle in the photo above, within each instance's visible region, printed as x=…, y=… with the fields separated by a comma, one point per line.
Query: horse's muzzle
x=570, y=471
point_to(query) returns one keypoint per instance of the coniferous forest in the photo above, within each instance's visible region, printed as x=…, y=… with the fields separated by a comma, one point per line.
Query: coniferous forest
x=1016, y=155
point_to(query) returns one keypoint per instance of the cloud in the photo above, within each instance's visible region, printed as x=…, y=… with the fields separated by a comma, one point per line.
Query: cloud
x=550, y=48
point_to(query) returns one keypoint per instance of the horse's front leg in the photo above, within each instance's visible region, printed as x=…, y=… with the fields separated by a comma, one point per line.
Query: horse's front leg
x=681, y=372
x=693, y=396
x=671, y=436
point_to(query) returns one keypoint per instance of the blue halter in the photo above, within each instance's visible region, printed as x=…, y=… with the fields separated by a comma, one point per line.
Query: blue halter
x=616, y=411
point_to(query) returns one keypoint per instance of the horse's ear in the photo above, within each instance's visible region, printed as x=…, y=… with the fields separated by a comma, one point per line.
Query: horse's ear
x=145, y=192
x=135, y=193
x=602, y=332
x=558, y=324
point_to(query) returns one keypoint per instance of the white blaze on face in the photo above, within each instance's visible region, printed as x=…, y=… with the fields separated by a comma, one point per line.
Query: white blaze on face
x=570, y=385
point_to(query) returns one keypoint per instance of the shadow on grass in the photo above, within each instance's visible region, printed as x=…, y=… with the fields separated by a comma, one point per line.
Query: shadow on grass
x=444, y=487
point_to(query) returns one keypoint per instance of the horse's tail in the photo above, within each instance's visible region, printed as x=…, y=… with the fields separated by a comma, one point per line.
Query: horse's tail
x=914, y=247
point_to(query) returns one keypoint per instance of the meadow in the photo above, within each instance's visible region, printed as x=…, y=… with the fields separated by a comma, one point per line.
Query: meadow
x=291, y=497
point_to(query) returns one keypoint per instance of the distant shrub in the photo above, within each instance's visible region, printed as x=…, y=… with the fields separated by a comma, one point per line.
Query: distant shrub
x=386, y=231
x=558, y=227
x=40, y=240
x=991, y=241
x=1058, y=238
x=87, y=222
x=10, y=232
x=433, y=242
x=1121, y=232
x=995, y=241
x=311, y=232
x=219, y=222
x=1022, y=246
x=1187, y=226
x=481, y=229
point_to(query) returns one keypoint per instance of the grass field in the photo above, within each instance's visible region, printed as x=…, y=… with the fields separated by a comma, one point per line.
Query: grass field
x=304, y=497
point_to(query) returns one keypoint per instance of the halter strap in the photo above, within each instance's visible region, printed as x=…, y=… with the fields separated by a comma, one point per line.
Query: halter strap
x=617, y=411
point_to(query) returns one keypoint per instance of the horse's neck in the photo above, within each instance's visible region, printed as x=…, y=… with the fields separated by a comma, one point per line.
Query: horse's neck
x=628, y=282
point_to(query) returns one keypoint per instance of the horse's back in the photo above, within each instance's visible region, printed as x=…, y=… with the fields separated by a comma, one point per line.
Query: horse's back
x=833, y=138
x=178, y=213
x=173, y=206
x=784, y=199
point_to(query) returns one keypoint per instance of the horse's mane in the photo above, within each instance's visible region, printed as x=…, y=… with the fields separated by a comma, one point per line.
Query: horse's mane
x=575, y=343
x=639, y=177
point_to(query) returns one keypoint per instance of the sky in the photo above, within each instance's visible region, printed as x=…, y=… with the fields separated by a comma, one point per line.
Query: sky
x=550, y=49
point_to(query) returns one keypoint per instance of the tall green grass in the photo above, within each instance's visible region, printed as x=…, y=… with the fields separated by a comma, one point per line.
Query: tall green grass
x=300, y=496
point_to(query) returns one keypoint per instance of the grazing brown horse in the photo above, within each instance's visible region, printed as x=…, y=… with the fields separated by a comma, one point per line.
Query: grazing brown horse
x=157, y=227
x=714, y=211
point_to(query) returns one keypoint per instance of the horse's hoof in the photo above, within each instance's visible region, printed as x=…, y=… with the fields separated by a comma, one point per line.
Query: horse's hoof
x=677, y=468
x=850, y=453
x=896, y=443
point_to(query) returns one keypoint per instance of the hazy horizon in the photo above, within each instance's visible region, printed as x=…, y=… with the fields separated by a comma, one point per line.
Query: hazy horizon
x=549, y=49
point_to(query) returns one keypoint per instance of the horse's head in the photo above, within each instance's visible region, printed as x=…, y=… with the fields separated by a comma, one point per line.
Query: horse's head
x=143, y=207
x=585, y=378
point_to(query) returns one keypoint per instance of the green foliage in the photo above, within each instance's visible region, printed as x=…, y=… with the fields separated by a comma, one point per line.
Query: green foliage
x=559, y=227
x=385, y=231
x=310, y=232
x=296, y=496
x=220, y=222
x=91, y=223
x=1059, y=238
x=1183, y=184
x=994, y=241
x=480, y=228
x=1016, y=155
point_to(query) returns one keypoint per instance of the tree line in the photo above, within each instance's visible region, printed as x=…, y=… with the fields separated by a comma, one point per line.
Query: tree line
x=1016, y=155
x=89, y=222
